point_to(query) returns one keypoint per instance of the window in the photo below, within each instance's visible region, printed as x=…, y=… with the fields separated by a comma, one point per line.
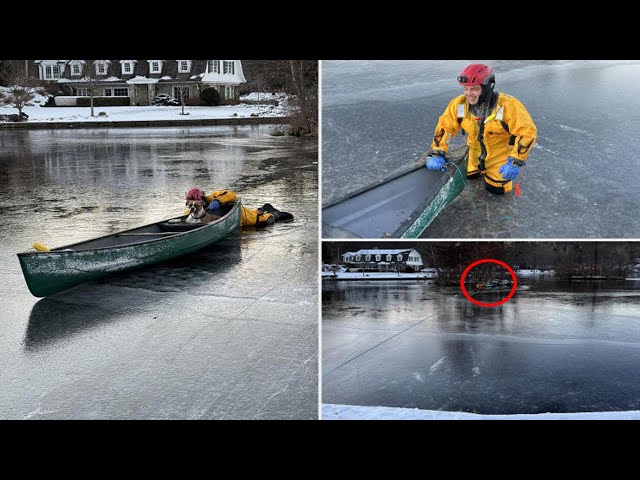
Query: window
x=184, y=66
x=389, y=257
x=357, y=258
x=229, y=67
x=228, y=92
x=399, y=257
x=116, y=92
x=179, y=92
x=75, y=69
x=378, y=257
x=101, y=67
x=81, y=92
x=214, y=66
x=367, y=258
x=127, y=66
x=51, y=72
x=155, y=66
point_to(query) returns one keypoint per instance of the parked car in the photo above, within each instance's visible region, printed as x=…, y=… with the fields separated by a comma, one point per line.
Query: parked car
x=164, y=99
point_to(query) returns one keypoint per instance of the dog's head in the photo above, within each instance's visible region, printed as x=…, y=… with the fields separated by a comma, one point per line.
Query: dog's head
x=196, y=207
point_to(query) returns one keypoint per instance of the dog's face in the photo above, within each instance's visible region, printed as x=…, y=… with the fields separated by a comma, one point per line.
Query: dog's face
x=195, y=207
x=198, y=214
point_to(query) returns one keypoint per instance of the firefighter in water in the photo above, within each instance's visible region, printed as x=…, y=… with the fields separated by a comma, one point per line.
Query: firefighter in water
x=219, y=202
x=500, y=130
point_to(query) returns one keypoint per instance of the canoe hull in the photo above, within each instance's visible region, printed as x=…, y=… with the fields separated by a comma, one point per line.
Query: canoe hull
x=47, y=273
x=401, y=206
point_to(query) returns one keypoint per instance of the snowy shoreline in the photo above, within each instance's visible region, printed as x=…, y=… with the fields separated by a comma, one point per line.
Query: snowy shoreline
x=355, y=412
x=101, y=123
x=150, y=115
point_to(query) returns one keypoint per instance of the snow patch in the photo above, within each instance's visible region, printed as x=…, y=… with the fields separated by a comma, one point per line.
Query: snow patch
x=354, y=412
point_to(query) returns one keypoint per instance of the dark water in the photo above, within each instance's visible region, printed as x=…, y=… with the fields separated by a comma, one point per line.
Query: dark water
x=230, y=332
x=580, y=180
x=556, y=347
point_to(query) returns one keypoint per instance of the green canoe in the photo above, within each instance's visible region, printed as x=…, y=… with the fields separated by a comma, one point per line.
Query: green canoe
x=60, y=268
x=402, y=205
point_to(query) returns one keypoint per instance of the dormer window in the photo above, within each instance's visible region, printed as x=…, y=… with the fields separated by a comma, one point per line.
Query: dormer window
x=50, y=69
x=229, y=67
x=184, y=66
x=214, y=66
x=127, y=66
x=155, y=66
x=76, y=67
x=101, y=67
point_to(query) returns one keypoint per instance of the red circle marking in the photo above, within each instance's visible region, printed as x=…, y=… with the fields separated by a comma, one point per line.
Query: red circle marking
x=488, y=260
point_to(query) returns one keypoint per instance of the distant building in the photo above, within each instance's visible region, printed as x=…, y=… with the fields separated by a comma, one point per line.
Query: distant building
x=385, y=260
x=142, y=80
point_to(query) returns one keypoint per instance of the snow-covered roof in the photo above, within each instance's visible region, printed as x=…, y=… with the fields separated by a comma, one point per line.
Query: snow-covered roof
x=235, y=78
x=141, y=80
x=382, y=252
x=87, y=79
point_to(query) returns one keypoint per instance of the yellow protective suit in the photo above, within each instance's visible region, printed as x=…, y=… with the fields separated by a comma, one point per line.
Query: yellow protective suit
x=508, y=131
x=249, y=216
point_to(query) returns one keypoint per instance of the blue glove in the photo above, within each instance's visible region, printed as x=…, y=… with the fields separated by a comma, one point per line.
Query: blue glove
x=436, y=162
x=509, y=171
x=215, y=204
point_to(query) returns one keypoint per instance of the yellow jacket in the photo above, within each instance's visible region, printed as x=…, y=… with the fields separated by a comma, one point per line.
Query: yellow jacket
x=248, y=216
x=508, y=131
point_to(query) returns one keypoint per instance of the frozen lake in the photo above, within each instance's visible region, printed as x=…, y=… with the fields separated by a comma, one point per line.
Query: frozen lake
x=229, y=332
x=580, y=180
x=557, y=347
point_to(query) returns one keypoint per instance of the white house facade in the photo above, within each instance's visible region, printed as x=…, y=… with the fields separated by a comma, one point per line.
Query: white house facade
x=138, y=82
x=383, y=260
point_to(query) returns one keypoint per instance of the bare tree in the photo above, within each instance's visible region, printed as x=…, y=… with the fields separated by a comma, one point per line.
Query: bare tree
x=91, y=79
x=18, y=96
x=91, y=82
x=304, y=76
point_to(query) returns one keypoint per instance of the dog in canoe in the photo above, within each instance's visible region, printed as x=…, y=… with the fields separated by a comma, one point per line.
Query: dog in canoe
x=197, y=212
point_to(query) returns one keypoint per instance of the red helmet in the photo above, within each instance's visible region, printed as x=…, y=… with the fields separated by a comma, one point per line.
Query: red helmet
x=194, y=194
x=476, y=74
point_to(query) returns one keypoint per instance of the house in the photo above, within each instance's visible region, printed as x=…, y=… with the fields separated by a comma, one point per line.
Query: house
x=137, y=82
x=385, y=260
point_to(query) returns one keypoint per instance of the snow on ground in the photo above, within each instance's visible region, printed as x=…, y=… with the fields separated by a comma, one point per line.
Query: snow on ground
x=132, y=113
x=534, y=272
x=352, y=412
x=264, y=96
x=38, y=99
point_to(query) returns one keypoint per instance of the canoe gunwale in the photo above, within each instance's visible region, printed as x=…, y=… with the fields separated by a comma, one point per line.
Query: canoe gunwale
x=68, y=249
